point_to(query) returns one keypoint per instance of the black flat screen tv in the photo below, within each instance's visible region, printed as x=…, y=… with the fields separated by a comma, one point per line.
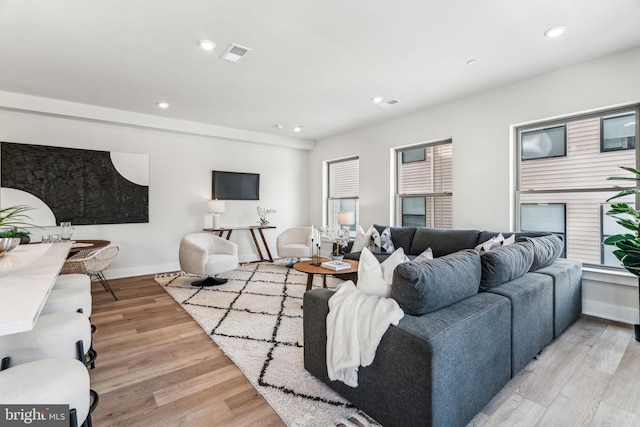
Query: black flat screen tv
x=235, y=186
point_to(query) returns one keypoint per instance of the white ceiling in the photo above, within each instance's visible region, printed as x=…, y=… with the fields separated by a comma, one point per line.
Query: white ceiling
x=313, y=63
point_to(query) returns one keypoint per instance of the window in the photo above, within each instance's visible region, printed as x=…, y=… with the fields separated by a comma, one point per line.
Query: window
x=424, y=185
x=618, y=132
x=343, y=191
x=566, y=193
x=546, y=217
x=542, y=143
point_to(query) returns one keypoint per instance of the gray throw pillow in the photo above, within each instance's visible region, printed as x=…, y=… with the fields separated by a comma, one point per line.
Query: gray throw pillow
x=423, y=287
x=505, y=263
x=546, y=249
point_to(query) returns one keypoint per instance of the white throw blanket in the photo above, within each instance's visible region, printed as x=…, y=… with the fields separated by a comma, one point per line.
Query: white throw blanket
x=355, y=326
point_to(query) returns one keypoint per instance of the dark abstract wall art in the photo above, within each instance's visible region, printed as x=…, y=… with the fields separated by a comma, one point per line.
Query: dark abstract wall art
x=81, y=186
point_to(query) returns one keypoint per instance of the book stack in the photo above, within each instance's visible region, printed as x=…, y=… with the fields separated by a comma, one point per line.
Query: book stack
x=336, y=265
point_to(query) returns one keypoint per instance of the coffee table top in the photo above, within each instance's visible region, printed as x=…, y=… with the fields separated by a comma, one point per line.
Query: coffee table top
x=307, y=267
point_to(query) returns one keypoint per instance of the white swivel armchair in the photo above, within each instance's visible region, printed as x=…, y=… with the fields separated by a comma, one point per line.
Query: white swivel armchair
x=206, y=254
x=296, y=242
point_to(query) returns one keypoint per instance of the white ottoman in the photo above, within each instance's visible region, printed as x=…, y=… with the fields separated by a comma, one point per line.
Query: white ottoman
x=46, y=382
x=68, y=301
x=54, y=336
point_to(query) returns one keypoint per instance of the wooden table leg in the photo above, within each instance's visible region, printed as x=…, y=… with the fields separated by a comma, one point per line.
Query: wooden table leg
x=255, y=242
x=309, y=281
x=266, y=247
x=324, y=280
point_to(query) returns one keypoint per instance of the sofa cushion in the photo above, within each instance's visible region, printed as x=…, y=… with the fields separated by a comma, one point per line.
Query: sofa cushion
x=423, y=287
x=442, y=242
x=374, y=277
x=402, y=237
x=546, y=249
x=505, y=263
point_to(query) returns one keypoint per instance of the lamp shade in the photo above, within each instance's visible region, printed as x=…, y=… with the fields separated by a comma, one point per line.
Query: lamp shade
x=216, y=206
x=346, y=218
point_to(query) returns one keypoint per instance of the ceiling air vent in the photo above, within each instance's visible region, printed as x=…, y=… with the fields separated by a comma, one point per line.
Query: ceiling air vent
x=235, y=53
x=388, y=103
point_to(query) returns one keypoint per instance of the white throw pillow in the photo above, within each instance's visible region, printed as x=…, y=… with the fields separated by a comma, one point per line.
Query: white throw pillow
x=509, y=240
x=492, y=243
x=424, y=256
x=374, y=278
x=361, y=240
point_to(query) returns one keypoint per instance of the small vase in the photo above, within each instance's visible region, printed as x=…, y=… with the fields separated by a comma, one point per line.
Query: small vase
x=337, y=258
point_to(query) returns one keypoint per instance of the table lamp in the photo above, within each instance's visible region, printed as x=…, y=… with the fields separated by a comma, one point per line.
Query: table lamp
x=216, y=207
x=345, y=219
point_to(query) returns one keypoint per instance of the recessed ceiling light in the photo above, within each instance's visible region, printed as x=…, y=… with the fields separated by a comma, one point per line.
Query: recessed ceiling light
x=377, y=99
x=278, y=126
x=163, y=104
x=472, y=62
x=297, y=128
x=207, y=44
x=555, y=31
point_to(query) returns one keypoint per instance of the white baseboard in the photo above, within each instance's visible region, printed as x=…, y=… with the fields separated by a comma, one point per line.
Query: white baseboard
x=119, y=273
x=610, y=312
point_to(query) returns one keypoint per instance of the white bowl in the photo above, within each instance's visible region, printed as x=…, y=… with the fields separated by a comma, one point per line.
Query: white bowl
x=9, y=243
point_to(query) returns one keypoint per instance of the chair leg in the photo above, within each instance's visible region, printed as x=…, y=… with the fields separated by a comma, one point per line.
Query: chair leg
x=106, y=284
x=5, y=363
x=89, y=359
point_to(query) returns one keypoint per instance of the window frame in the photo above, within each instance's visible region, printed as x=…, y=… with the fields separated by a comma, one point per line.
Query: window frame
x=613, y=188
x=543, y=128
x=617, y=116
x=330, y=199
x=429, y=197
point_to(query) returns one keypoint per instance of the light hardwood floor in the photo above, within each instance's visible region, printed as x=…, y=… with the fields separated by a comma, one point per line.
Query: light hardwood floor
x=156, y=366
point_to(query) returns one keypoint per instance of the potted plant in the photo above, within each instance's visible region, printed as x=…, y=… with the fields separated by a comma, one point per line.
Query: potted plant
x=627, y=244
x=14, y=232
x=339, y=239
x=11, y=218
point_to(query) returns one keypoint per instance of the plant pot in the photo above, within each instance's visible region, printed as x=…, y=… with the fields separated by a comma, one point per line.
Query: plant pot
x=9, y=243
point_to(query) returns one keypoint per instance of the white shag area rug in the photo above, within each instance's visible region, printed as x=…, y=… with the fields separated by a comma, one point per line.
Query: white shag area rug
x=256, y=319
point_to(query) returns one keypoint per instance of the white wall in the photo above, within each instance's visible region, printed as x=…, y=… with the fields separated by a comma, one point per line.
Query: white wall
x=480, y=127
x=180, y=177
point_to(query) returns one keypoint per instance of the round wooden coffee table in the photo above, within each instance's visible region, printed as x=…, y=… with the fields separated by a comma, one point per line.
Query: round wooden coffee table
x=311, y=270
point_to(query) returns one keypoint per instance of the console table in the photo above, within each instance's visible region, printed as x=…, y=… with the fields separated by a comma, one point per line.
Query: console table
x=252, y=230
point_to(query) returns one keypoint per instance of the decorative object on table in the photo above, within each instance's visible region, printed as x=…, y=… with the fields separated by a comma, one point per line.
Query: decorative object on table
x=216, y=207
x=262, y=215
x=336, y=265
x=340, y=240
x=627, y=245
x=345, y=219
x=315, y=246
x=14, y=232
x=11, y=218
x=66, y=230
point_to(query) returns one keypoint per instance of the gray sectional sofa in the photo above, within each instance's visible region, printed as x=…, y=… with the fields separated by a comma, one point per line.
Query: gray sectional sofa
x=472, y=321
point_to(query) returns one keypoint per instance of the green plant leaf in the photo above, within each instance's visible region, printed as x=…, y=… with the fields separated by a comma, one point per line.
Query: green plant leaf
x=611, y=240
x=622, y=208
x=625, y=192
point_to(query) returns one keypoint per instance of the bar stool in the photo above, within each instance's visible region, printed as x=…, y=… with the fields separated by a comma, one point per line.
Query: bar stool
x=51, y=381
x=54, y=336
x=67, y=300
x=77, y=281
